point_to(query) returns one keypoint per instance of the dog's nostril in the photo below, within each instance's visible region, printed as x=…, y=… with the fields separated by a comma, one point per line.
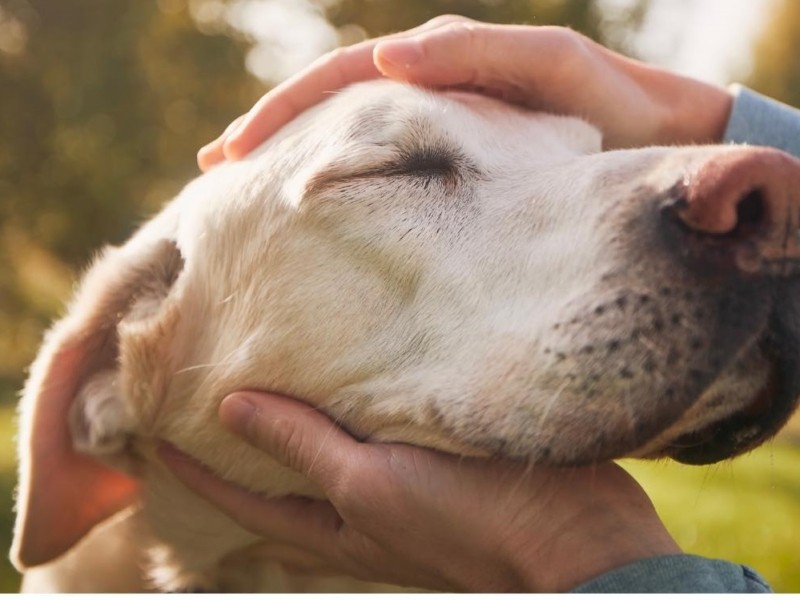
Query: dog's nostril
x=750, y=214
x=737, y=212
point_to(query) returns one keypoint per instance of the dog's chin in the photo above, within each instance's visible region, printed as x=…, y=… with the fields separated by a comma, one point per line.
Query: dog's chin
x=730, y=433
x=743, y=416
x=746, y=428
x=748, y=401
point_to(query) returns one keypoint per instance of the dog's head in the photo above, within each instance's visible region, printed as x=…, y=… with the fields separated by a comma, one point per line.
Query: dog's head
x=440, y=269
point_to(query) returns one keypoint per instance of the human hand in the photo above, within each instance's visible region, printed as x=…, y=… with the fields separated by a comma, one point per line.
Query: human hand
x=411, y=516
x=544, y=68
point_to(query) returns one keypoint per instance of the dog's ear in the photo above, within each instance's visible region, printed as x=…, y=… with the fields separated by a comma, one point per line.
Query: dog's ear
x=71, y=404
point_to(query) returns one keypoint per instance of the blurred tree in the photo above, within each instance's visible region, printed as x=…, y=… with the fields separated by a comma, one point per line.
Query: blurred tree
x=776, y=70
x=104, y=105
x=378, y=17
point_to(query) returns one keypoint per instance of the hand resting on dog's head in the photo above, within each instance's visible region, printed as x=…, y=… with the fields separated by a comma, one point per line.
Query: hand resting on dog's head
x=554, y=69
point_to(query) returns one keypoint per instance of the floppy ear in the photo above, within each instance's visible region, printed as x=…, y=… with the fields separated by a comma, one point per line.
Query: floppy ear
x=63, y=493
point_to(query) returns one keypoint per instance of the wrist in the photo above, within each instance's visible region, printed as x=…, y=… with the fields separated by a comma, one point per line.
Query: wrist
x=612, y=525
x=696, y=112
x=580, y=556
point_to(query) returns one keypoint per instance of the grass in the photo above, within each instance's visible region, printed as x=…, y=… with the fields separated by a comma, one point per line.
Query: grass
x=745, y=511
x=9, y=578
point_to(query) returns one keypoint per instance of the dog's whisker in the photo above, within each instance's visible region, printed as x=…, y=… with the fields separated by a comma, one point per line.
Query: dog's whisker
x=225, y=362
x=550, y=404
x=213, y=365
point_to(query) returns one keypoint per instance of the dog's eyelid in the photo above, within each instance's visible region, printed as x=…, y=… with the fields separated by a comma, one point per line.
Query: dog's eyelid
x=435, y=161
x=427, y=160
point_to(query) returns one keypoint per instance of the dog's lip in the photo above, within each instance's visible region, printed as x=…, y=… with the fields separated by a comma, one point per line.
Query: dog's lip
x=703, y=446
x=771, y=406
x=747, y=427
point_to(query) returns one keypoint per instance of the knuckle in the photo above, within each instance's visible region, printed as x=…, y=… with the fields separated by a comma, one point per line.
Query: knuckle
x=471, y=35
x=285, y=442
x=567, y=44
x=441, y=20
x=355, y=491
x=343, y=491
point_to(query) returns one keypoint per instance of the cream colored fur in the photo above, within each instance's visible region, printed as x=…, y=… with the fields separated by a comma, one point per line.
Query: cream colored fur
x=422, y=267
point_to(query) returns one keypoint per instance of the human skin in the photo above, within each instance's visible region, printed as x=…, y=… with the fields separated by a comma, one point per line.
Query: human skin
x=414, y=516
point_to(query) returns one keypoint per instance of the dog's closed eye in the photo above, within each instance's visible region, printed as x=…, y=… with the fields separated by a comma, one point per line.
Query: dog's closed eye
x=426, y=163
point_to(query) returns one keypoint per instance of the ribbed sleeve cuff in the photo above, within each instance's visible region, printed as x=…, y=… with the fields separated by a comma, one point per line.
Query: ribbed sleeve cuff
x=762, y=121
x=678, y=573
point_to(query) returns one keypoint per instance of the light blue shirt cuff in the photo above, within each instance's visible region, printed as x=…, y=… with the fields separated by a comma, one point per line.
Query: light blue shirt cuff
x=761, y=121
x=678, y=573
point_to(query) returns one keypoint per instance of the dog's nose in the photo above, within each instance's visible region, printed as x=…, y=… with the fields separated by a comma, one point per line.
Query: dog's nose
x=742, y=208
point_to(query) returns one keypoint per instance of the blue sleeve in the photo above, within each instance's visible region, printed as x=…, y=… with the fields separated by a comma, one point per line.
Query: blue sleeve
x=678, y=573
x=761, y=121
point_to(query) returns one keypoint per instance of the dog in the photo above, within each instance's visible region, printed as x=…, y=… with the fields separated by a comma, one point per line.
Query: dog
x=436, y=268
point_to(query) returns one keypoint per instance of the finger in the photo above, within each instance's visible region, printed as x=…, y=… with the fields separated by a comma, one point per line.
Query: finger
x=212, y=153
x=329, y=73
x=476, y=54
x=295, y=434
x=287, y=519
x=287, y=100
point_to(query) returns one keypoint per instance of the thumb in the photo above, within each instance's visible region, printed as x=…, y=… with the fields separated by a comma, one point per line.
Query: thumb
x=295, y=434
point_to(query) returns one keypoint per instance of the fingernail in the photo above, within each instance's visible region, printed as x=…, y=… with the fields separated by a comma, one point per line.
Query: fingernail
x=206, y=158
x=208, y=147
x=236, y=412
x=401, y=53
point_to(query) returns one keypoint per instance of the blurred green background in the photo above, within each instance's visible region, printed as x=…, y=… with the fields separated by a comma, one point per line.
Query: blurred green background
x=103, y=104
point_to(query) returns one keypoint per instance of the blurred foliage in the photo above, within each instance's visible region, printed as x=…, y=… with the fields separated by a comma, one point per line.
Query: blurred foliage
x=9, y=579
x=103, y=104
x=776, y=70
x=746, y=510
x=585, y=16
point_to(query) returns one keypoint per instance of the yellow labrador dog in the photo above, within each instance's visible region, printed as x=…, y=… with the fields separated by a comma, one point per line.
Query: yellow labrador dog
x=433, y=268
